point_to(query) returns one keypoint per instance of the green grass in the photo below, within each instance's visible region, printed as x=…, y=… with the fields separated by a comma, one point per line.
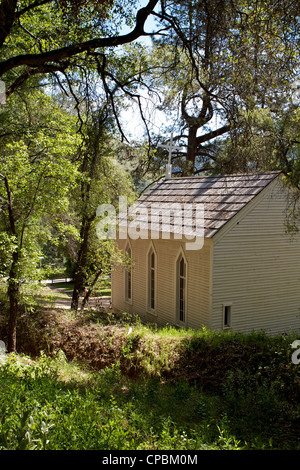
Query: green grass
x=55, y=404
x=45, y=407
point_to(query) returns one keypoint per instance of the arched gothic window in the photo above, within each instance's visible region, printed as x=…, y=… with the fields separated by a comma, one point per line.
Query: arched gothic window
x=181, y=290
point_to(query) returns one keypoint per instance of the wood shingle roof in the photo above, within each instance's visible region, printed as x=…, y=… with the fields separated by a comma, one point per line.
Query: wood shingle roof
x=222, y=196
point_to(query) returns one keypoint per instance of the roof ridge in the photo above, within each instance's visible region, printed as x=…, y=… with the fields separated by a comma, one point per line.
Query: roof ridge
x=275, y=172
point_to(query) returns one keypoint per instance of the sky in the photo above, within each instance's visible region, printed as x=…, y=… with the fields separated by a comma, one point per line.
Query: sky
x=131, y=117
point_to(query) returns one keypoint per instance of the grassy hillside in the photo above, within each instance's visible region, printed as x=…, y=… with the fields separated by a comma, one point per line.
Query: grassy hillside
x=106, y=381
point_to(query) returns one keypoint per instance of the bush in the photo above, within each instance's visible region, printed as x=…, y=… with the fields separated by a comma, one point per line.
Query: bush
x=255, y=408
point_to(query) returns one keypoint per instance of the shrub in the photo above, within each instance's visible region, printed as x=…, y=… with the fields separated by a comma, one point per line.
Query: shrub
x=255, y=406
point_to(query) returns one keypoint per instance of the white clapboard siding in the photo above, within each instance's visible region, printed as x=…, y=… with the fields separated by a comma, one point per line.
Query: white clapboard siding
x=256, y=267
x=167, y=252
x=199, y=285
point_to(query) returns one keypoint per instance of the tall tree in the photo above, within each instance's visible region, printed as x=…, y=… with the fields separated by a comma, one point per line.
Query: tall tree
x=102, y=180
x=223, y=55
x=222, y=58
x=36, y=174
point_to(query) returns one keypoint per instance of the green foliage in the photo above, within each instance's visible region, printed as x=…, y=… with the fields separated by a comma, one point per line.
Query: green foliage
x=227, y=60
x=36, y=160
x=55, y=404
x=7, y=247
x=58, y=24
x=46, y=413
x=244, y=392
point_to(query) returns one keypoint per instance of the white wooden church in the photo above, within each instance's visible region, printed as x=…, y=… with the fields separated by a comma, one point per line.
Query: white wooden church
x=245, y=276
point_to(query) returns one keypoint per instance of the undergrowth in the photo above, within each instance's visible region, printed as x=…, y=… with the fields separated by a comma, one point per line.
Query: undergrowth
x=41, y=409
x=109, y=382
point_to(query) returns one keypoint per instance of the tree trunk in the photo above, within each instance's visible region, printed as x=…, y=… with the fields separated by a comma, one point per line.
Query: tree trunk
x=88, y=168
x=89, y=291
x=13, y=292
x=78, y=286
x=81, y=263
x=13, y=315
x=191, y=151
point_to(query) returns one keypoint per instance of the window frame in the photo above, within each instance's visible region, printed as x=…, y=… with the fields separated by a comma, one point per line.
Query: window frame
x=227, y=315
x=128, y=276
x=151, y=280
x=181, y=320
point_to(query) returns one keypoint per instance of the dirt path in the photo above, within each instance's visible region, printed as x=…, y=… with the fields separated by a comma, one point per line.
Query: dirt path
x=65, y=296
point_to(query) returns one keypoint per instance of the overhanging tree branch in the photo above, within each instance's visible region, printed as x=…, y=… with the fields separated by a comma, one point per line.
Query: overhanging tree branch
x=211, y=135
x=31, y=71
x=63, y=53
